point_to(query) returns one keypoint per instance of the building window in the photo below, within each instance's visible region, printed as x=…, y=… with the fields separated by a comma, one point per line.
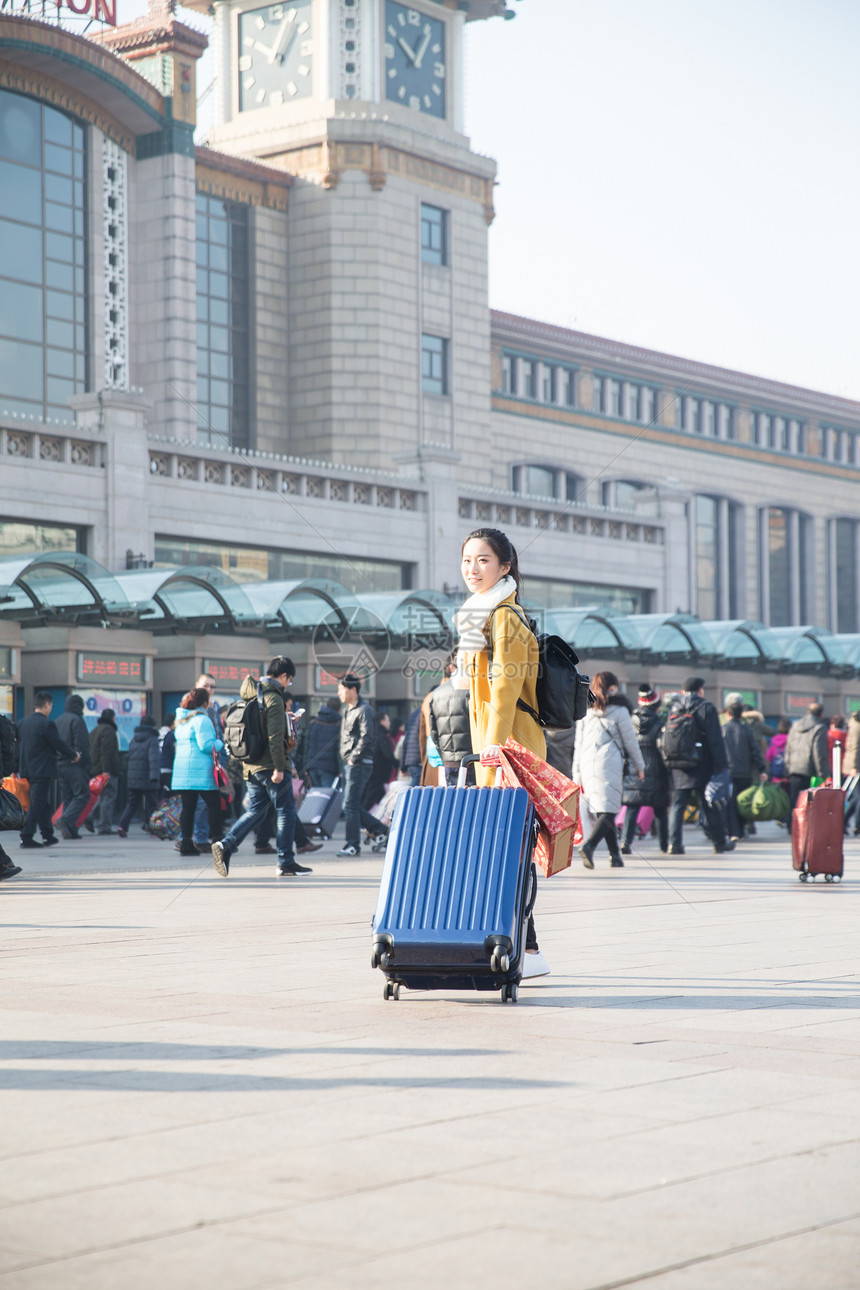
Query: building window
x=717, y=563
x=549, y=377
x=547, y=482
x=434, y=241
x=597, y=395
x=528, y=378
x=844, y=575
x=43, y=291
x=223, y=326
x=434, y=364
x=613, y=398
x=709, y=418
x=785, y=541
x=552, y=593
x=25, y=537
x=566, y=387
x=647, y=402
x=509, y=374
x=621, y=492
x=257, y=564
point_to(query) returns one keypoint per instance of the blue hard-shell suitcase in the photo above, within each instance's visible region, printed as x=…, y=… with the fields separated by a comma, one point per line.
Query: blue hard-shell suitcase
x=457, y=889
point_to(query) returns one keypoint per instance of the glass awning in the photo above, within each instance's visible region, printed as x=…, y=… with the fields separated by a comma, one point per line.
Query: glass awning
x=57, y=585
x=670, y=635
x=301, y=605
x=738, y=641
x=190, y=595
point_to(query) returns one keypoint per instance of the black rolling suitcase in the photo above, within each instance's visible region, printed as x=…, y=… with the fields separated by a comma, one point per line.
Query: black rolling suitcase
x=321, y=809
x=457, y=889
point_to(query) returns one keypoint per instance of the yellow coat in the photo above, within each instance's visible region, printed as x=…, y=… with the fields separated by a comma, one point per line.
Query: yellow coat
x=493, y=711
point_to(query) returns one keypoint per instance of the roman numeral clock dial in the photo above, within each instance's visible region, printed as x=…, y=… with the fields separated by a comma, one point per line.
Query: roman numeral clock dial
x=414, y=59
x=275, y=54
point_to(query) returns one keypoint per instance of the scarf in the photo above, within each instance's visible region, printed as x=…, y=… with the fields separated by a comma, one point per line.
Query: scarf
x=471, y=619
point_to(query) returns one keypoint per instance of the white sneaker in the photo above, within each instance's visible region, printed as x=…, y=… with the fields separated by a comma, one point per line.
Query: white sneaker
x=534, y=965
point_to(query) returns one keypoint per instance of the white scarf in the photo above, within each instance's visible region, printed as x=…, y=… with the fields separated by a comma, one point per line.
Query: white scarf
x=471, y=618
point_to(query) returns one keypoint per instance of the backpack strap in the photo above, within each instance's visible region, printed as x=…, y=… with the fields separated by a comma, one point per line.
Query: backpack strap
x=521, y=703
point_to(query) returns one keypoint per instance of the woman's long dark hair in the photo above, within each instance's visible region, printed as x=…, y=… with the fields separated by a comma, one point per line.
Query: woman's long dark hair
x=195, y=699
x=600, y=688
x=503, y=549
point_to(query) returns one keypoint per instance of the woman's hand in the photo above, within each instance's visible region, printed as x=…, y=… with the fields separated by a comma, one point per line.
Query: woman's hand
x=640, y=774
x=490, y=755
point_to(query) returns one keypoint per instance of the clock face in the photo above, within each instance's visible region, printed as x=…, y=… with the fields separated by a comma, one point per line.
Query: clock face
x=275, y=54
x=414, y=59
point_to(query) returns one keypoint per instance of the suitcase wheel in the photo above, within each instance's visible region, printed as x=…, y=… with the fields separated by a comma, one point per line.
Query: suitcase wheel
x=830, y=877
x=803, y=876
x=510, y=993
x=391, y=990
x=499, y=963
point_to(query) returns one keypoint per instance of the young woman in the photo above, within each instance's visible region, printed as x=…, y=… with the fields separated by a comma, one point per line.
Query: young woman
x=604, y=739
x=193, y=771
x=489, y=623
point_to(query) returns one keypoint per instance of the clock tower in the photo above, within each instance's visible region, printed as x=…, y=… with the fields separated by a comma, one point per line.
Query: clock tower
x=385, y=239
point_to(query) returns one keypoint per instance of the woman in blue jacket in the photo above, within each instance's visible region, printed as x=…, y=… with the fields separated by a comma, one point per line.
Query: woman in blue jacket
x=193, y=771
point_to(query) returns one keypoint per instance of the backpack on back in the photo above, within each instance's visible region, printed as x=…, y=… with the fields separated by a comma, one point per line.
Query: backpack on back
x=681, y=741
x=561, y=690
x=244, y=735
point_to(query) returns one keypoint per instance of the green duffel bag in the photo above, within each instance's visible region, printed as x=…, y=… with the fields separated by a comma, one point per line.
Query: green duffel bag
x=770, y=802
x=745, y=802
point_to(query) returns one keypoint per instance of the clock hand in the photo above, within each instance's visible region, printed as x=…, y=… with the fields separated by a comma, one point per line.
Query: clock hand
x=419, y=57
x=410, y=53
x=288, y=45
x=274, y=51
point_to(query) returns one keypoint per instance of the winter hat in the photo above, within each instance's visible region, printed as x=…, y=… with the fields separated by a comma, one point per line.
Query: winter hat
x=647, y=695
x=693, y=684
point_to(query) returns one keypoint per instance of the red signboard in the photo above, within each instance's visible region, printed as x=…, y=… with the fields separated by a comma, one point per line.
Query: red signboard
x=228, y=670
x=800, y=702
x=114, y=668
x=95, y=10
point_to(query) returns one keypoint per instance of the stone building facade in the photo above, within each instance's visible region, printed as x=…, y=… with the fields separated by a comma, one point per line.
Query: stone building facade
x=273, y=353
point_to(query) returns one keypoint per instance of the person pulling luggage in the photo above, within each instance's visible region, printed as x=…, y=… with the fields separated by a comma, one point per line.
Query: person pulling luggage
x=488, y=622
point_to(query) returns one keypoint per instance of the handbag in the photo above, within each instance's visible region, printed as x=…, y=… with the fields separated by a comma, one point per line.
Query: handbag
x=222, y=779
x=11, y=812
x=19, y=787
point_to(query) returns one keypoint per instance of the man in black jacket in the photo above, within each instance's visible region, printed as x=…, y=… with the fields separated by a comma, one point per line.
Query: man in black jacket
x=104, y=750
x=321, y=762
x=710, y=758
x=357, y=743
x=74, y=776
x=39, y=745
x=8, y=766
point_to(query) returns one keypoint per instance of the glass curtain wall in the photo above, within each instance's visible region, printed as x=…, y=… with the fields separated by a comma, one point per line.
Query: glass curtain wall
x=223, y=324
x=785, y=540
x=43, y=298
x=844, y=539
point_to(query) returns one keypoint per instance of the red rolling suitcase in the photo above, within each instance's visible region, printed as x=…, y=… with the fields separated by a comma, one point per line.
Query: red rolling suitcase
x=817, y=830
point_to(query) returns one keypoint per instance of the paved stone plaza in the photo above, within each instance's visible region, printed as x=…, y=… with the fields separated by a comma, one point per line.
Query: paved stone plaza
x=204, y=1088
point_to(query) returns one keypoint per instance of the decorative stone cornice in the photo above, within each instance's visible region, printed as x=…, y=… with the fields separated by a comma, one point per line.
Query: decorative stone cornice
x=239, y=180
x=66, y=99
x=528, y=334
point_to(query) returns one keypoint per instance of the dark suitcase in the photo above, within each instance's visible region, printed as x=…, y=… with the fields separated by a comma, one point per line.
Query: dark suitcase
x=321, y=809
x=817, y=826
x=457, y=890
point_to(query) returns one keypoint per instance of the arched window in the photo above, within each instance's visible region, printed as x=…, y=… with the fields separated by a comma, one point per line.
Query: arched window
x=536, y=480
x=621, y=492
x=784, y=566
x=43, y=297
x=844, y=573
x=717, y=566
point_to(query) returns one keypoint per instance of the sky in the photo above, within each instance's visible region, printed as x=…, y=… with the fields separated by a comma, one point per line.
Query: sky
x=678, y=174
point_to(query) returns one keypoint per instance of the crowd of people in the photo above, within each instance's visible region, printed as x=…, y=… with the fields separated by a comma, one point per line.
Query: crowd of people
x=630, y=769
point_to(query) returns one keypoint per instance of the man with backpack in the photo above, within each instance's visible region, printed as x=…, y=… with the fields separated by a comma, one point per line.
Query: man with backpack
x=256, y=732
x=693, y=750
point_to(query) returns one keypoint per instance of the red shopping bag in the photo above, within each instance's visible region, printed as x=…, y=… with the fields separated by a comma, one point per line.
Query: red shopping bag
x=556, y=802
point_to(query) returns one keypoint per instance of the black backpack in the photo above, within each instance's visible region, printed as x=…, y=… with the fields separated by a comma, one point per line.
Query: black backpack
x=562, y=691
x=681, y=741
x=243, y=722
x=8, y=747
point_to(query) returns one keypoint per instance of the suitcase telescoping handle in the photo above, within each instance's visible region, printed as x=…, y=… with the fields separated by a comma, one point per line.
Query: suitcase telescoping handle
x=466, y=762
x=837, y=765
